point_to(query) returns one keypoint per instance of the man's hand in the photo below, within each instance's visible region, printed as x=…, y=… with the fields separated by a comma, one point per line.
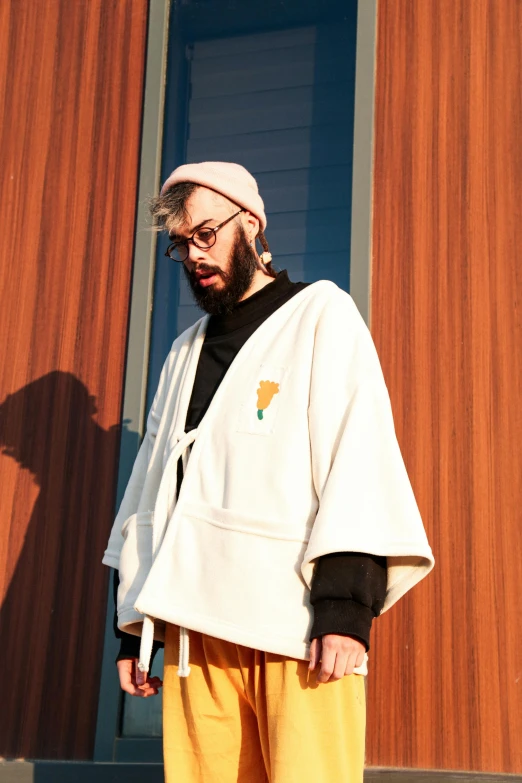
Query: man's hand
x=126, y=669
x=339, y=655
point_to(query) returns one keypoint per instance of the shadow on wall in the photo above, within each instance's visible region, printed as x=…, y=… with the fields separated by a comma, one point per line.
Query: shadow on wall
x=52, y=616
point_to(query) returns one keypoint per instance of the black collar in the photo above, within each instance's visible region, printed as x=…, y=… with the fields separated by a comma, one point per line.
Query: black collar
x=253, y=307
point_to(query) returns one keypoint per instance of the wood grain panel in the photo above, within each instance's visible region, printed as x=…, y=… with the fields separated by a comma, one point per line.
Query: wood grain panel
x=71, y=86
x=446, y=679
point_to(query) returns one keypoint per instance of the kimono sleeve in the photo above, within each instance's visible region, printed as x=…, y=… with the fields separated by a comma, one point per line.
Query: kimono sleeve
x=366, y=501
x=132, y=494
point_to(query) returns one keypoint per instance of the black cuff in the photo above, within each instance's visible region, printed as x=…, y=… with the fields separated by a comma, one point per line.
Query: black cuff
x=130, y=647
x=129, y=643
x=342, y=616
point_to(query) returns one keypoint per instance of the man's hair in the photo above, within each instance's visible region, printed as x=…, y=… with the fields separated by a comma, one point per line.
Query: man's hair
x=169, y=211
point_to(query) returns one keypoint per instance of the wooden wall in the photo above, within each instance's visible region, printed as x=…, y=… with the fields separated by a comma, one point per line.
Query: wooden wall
x=446, y=672
x=71, y=83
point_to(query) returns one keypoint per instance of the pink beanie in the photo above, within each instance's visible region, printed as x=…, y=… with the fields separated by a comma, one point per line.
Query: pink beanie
x=229, y=179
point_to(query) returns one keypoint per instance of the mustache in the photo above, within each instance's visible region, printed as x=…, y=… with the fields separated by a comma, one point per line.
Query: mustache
x=206, y=269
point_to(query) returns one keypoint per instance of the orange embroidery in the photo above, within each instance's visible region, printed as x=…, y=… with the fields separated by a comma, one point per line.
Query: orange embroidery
x=266, y=391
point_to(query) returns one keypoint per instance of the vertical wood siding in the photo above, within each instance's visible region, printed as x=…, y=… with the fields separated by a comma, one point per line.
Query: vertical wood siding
x=71, y=84
x=446, y=676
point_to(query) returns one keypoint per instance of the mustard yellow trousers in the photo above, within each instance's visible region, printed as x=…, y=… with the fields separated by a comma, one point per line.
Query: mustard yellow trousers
x=247, y=716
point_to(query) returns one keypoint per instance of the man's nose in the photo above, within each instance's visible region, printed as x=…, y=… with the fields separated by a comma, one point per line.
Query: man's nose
x=195, y=253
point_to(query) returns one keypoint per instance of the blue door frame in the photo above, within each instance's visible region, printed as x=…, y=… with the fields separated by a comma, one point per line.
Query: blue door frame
x=154, y=283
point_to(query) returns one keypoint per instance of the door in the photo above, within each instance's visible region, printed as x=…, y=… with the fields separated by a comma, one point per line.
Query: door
x=281, y=103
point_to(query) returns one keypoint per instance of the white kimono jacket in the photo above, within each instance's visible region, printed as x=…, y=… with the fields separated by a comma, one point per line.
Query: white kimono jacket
x=296, y=457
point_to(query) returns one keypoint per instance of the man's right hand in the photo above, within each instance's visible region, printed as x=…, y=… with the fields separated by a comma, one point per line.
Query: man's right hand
x=126, y=672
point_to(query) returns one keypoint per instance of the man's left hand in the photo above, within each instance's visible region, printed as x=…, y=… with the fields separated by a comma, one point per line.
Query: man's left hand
x=339, y=655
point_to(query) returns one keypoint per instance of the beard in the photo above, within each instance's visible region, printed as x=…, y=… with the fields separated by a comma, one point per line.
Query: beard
x=237, y=279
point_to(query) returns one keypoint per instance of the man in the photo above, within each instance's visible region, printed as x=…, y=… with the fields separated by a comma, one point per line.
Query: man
x=268, y=518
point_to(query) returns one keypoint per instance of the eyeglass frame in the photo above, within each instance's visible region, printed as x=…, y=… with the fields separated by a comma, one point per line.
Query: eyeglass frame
x=185, y=242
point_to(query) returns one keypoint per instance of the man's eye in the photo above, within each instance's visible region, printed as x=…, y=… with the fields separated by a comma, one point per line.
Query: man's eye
x=204, y=235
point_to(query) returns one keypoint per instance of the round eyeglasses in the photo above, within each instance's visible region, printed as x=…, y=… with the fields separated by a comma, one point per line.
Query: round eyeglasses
x=203, y=238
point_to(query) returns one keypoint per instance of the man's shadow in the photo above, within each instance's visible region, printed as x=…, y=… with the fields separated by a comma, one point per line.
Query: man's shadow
x=52, y=616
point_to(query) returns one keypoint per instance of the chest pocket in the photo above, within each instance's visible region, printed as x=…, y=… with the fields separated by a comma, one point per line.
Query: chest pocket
x=262, y=400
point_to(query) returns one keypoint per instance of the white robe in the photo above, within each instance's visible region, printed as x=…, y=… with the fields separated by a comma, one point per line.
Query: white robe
x=309, y=466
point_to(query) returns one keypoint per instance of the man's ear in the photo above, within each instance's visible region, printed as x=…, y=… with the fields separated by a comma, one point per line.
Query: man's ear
x=251, y=225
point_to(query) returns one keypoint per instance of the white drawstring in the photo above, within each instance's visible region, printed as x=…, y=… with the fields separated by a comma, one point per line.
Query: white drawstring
x=184, y=668
x=181, y=449
x=147, y=637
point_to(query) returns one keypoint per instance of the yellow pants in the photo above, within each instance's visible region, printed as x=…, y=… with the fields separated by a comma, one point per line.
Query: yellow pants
x=247, y=716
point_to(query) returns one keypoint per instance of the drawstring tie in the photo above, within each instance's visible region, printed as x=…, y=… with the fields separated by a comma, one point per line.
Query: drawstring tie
x=147, y=637
x=183, y=668
x=181, y=449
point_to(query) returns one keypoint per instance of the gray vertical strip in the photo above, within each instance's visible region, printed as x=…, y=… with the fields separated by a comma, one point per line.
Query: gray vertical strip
x=135, y=393
x=361, y=247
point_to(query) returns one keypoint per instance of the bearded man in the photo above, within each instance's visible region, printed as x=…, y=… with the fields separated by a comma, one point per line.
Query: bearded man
x=268, y=517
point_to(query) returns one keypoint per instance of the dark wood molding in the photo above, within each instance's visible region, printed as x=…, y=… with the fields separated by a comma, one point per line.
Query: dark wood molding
x=92, y=772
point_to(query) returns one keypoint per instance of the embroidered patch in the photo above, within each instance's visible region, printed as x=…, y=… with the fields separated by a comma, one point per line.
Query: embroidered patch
x=265, y=392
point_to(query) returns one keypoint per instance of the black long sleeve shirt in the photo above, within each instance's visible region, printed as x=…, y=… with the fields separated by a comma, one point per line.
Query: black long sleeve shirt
x=348, y=588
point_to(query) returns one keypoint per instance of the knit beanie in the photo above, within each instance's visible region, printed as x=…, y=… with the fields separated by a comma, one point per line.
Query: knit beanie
x=229, y=179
